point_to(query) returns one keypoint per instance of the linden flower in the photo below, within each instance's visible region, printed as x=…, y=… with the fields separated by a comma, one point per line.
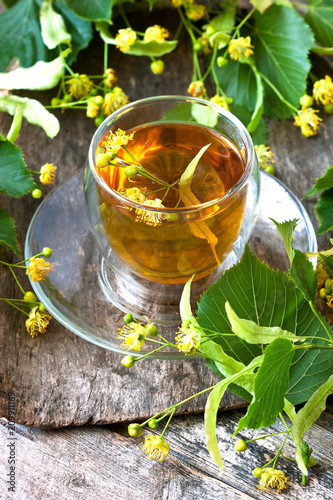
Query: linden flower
x=323, y=90
x=197, y=89
x=47, y=173
x=272, y=478
x=133, y=336
x=110, y=77
x=114, y=141
x=125, y=38
x=155, y=447
x=308, y=120
x=176, y=3
x=220, y=101
x=329, y=299
x=151, y=218
x=188, y=339
x=156, y=33
x=79, y=86
x=37, y=321
x=38, y=269
x=135, y=194
x=114, y=100
x=240, y=47
x=92, y=109
x=196, y=11
x=264, y=155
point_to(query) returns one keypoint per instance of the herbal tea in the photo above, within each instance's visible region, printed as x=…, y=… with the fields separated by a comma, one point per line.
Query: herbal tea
x=165, y=225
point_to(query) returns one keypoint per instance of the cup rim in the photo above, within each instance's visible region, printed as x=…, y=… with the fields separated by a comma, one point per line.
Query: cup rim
x=249, y=166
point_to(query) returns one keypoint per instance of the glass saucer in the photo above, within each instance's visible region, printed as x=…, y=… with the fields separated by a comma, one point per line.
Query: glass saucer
x=73, y=292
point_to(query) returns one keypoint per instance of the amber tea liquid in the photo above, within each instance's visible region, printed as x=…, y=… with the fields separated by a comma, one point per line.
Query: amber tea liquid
x=182, y=241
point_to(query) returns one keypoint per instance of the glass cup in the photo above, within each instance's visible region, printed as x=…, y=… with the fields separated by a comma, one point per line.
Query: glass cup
x=153, y=234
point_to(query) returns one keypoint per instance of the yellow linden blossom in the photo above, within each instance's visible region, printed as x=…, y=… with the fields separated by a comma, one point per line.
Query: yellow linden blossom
x=114, y=100
x=125, y=38
x=272, y=478
x=329, y=299
x=197, y=89
x=308, y=120
x=264, y=155
x=188, y=339
x=47, y=173
x=110, y=77
x=79, y=86
x=150, y=217
x=155, y=447
x=115, y=140
x=323, y=90
x=206, y=48
x=176, y=3
x=156, y=33
x=220, y=101
x=196, y=11
x=133, y=336
x=37, y=321
x=240, y=47
x=135, y=194
x=38, y=269
x=92, y=109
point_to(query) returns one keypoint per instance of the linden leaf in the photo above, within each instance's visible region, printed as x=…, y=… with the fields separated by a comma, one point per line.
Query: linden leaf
x=286, y=230
x=320, y=17
x=324, y=210
x=305, y=417
x=33, y=111
x=96, y=10
x=304, y=276
x=151, y=48
x=41, y=76
x=15, y=178
x=323, y=182
x=53, y=28
x=255, y=334
x=8, y=236
x=270, y=386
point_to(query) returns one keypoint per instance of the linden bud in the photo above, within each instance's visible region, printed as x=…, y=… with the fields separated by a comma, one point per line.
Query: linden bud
x=47, y=252
x=128, y=319
x=257, y=472
x=240, y=445
x=98, y=121
x=270, y=169
x=157, y=67
x=131, y=171
x=68, y=98
x=221, y=61
x=311, y=461
x=42, y=308
x=135, y=430
x=151, y=330
x=328, y=109
x=128, y=361
x=210, y=31
x=55, y=101
x=153, y=423
x=197, y=47
x=99, y=100
x=328, y=283
x=103, y=159
x=30, y=297
x=37, y=193
x=306, y=101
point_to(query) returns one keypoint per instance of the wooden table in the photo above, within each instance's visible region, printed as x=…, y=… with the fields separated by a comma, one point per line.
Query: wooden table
x=64, y=385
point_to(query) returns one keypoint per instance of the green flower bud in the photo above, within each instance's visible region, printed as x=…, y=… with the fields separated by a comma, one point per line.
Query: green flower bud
x=328, y=109
x=128, y=361
x=47, y=252
x=328, y=291
x=311, y=461
x=210, y=31
x=221, y=61
x=99, y=100
x=328, y=283
x=68, y=98
x=30, y=297
x=197, y=47
x=322, y=293
x=257, y=472
x=55, y=101
x=37, y=193
x=151, y=330
x=270, y=169
x=131, y=171
x=99, y=120
x=240, y=445
x=135, y=430
x=153, y=423
x=103, y=159
x=93, y=92
x=128, y=319
x=306, y=101
x=42, y=308
x=157, y=67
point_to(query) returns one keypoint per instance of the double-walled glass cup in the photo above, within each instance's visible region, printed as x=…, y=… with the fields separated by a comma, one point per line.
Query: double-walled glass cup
x=156, y=235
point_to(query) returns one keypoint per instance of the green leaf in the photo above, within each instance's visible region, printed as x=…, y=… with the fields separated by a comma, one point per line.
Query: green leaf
x=151, y=48
x=269, y=298
x=8, y=236
x=323, y=182
x=286, y=230
x=259, y=108
x=259, y=135
x=307, y=416
x=304, y=276
x=33, y=111
x=204, y=115
x=262, y=5
x=324, y=210
x=16, y=125
x=281, y=57
x=320, y=18
x=238, y=81
x=212, y=406
x=41, y=76
x=15, y=178
x=53, y=28
x=254, y=334
x=226, y=20
x=94, y=10
x=270, y=385
x=328, y=260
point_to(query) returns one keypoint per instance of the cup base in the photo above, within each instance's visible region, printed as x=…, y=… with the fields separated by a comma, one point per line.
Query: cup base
x=148, y=299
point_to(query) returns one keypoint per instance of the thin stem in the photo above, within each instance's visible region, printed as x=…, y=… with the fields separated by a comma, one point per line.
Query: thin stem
x=17, y=281
x=280, y=449
x=106, y=53
x=13, y=305
x=168, y=422
x=266, y=436
x=278, y=93
x=149, y=353
x=307, y=347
